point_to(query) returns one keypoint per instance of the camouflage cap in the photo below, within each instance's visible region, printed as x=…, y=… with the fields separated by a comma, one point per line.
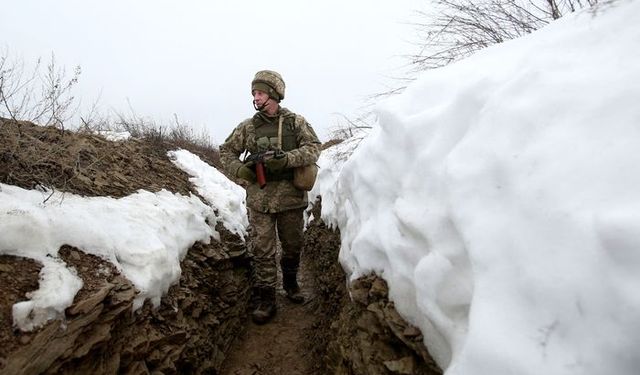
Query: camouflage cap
x=270, y=82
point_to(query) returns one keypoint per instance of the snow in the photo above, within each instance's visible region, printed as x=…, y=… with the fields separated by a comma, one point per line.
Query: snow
x=500, y=199
x=225, y=196
x=58, y=287
x=145, y=235
x=329, y=165
x=114, y=136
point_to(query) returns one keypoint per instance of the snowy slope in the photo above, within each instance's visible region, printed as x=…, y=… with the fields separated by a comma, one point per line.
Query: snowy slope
x=145, y=235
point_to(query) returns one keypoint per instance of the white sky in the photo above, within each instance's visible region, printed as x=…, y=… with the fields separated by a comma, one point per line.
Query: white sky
x=196, y=58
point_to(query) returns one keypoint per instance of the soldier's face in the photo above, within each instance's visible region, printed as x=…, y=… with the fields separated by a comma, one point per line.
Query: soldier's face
x=263, y=102
x=260, y=97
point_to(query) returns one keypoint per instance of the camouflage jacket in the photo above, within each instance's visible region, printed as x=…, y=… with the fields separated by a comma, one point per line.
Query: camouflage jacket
x=278, y=195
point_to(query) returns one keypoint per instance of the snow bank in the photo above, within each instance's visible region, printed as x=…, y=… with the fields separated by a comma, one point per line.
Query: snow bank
x=145, y=235
x=330, y=165
x=226, y=197
x=500, y=199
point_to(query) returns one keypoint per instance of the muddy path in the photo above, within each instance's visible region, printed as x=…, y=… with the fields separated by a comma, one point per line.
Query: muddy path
x=296, y=341
x=283, y=345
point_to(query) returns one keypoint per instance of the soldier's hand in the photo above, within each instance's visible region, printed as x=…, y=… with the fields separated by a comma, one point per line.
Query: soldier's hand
x=246, y=173
x=277, y=164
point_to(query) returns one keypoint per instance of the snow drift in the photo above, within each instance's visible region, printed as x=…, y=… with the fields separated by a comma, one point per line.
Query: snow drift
x=500, y=199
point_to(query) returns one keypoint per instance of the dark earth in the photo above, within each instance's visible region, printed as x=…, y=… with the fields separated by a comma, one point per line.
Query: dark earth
x=281, y=346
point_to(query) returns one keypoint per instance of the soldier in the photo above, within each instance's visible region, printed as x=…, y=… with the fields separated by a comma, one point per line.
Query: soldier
x=276, y=210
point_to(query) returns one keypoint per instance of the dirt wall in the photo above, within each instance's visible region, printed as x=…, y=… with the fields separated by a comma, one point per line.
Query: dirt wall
x=189, y=333
x=192, y=329
x=359, y=331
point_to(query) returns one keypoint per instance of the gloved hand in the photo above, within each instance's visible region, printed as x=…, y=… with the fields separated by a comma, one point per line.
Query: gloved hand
x=246, y=173
x=277, y=164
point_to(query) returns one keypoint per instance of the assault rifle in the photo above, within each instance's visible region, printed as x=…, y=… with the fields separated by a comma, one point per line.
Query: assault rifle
x=259, y=159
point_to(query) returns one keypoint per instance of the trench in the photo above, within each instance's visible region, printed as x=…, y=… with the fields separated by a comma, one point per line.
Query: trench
x=335, y=331
x=281, y=346
x=201, y=326
x=296, y=340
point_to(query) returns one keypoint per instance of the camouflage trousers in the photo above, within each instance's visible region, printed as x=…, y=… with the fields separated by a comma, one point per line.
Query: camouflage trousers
x=266, y=229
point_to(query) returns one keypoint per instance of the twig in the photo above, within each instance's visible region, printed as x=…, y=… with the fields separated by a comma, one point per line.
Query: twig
x=53, y=190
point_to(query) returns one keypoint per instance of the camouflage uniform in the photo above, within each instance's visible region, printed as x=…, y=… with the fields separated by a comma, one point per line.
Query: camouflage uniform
x=279, y=204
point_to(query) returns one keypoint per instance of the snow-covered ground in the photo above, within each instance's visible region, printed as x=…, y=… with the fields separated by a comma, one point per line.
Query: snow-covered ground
x=226, y=198
x=500, y=199
x=145, y=235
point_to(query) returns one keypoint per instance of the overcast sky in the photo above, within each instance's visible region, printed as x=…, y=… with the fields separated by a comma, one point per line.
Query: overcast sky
x=196, y=58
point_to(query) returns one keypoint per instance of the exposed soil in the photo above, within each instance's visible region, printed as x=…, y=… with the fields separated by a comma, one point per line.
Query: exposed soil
x=13, y=290
x=280, y=346
x=86, y=164
x=83, y=164
x=297, y=340
x=356, y=329
x=321, y=249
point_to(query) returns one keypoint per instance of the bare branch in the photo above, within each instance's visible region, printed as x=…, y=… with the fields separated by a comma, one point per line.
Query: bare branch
x=41, y=98
x=455, y=29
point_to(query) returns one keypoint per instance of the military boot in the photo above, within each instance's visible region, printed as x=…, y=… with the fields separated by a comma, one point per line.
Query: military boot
x=265, y=305
x=289, y=279
x=290, y=286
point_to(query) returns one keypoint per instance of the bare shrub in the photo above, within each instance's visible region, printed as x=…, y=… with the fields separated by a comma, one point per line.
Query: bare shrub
x=164, y=136
x=350, y=131
x=348, y=127
x=184, y=136
x=451, y=30
x=43, y=97
x=455, y=29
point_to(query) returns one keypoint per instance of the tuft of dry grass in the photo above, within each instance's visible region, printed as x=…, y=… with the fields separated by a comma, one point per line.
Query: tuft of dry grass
x=49, y=158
